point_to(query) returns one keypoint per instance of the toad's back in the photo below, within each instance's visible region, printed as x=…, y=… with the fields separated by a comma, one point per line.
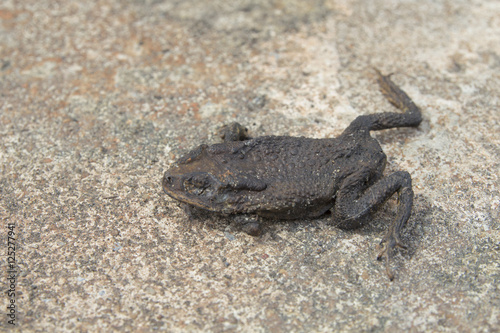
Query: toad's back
x=275, y=176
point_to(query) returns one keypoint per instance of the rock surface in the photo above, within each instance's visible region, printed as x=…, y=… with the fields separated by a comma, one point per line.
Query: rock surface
x=97, y=99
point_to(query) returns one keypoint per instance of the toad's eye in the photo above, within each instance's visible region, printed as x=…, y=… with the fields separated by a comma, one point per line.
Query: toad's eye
x=201, y=184
x=199, y=181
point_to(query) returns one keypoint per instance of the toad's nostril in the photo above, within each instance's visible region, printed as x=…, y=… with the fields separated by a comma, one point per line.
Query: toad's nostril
x=167, y=179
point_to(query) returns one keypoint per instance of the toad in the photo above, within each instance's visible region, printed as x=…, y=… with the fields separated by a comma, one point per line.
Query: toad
x=283, y=177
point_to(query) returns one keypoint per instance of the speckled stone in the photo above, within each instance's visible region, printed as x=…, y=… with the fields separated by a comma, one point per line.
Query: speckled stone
x=98, y=98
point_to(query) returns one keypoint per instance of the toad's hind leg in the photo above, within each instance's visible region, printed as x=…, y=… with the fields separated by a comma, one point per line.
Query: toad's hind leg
x=410, y=117
x=354, y=206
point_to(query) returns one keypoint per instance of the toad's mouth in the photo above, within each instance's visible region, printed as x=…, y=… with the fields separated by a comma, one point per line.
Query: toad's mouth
x=223, y=194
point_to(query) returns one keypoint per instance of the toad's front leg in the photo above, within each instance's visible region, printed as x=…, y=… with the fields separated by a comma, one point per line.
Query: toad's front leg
x=354, y=206
x=233, y=132
x=248, y=223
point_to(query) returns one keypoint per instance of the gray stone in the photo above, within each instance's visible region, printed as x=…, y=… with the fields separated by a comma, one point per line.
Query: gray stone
x=97, y=99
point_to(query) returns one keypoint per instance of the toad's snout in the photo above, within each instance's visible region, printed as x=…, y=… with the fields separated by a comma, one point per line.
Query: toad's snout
x=170, y=183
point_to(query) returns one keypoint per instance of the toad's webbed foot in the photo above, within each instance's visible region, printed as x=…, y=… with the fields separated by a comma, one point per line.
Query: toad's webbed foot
x=390, y=242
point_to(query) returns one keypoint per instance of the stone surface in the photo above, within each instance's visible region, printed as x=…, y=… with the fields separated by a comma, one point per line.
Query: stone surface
x=97, y=99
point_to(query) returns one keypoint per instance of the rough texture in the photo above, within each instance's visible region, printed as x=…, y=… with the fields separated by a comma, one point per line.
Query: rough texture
x=292, y=177
x=98, y=98
x=286, y=177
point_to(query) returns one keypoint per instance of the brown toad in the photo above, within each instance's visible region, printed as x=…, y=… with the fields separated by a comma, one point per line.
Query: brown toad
x=286, y=177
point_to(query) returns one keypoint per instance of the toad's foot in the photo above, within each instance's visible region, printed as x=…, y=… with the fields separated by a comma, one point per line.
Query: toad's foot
x=233, y=132
x=390, y=242
x=249, y=224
